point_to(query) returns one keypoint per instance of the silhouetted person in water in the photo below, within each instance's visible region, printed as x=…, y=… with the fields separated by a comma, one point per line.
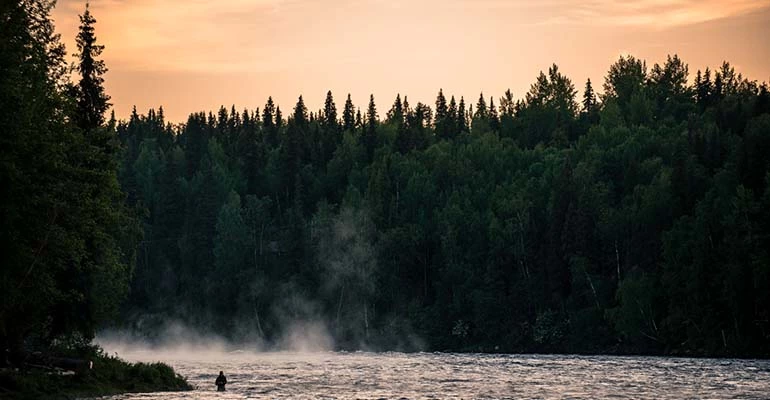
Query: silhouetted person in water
x=221, y=382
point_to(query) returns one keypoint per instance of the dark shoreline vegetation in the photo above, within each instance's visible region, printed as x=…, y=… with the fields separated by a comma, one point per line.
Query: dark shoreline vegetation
x=632, y=222
x=110, y=375
x=67, y=241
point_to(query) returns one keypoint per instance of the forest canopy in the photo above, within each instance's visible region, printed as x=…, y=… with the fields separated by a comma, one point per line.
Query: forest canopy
x=68, y=239
x=632, y=220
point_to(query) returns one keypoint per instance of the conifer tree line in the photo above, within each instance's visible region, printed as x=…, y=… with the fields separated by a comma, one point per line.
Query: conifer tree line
x=68, y=241
x=634, y=220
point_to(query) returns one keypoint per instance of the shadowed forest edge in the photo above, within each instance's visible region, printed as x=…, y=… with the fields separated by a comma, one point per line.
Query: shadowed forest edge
x=633, y=221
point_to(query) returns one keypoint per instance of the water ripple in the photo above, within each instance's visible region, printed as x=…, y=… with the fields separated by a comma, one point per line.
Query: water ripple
x=465, y=376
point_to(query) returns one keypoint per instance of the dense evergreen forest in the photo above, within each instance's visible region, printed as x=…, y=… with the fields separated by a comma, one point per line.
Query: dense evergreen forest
x=67, y=239
x=632, y=221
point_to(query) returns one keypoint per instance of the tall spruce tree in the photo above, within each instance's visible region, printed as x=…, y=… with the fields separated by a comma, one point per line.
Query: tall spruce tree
x=278, y=120
x=330, y=113
x=359, y=120
x=462, y=117
x=332, y=134
x=32, y=127
x=268, y=124
x=452, y=117
x=370, y=134
x=494, y=120
x=66, y=243
x=442, y=111
x=481, y=108
x=294, y=145
x=348, y=115
x=300, y=116
x=92, y=101
x=589, y=98
x=396, y=112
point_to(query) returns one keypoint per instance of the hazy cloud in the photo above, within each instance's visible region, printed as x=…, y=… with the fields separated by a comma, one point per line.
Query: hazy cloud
x=656, y=14
x=257, y=35
x=193, y=35
x=241, y=51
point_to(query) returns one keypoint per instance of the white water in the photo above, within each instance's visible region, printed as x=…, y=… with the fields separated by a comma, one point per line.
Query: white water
x=461, y=376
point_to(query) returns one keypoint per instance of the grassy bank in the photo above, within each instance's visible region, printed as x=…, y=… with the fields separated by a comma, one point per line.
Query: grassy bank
x=110, y=375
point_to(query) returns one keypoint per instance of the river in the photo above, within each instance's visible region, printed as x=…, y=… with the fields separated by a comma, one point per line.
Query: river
x=359, y=375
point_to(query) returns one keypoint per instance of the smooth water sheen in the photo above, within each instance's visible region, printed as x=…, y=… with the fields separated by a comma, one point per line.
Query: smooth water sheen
x=466, y=376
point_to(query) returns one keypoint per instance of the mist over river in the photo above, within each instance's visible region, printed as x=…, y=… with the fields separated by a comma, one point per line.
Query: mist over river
x=361, y=375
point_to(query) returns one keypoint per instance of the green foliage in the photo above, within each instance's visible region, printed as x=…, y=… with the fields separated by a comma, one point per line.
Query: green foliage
x=68, y=240
x=637, y=316
x=625, y=78
x=92, y=101
x=549, y=331
x=636, y=224
x=109, y=376
x=548, y=112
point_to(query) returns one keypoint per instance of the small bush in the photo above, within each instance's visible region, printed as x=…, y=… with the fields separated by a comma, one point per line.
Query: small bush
x=110, y=375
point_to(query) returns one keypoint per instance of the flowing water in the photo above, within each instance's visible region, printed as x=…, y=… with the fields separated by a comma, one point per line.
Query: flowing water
x=463, y=376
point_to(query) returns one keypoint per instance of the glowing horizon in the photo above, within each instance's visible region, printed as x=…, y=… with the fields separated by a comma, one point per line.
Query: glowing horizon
x=196, y=55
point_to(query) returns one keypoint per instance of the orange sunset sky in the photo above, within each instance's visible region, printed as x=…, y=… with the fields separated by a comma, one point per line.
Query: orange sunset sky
x=194, y=55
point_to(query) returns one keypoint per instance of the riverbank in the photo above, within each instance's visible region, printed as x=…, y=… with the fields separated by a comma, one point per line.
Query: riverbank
x=110, y=375
x=364, y=375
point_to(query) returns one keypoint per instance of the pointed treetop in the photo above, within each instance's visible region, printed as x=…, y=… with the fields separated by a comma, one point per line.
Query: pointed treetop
x=396, y=113
x=589, y=98
x=92, y=101
x=481, y=107
x=278, y=117
x=462, y=118
x=268, y=113
x=359, y=121
x=329, y=112
x=348, y=115
x=441, y=106
x=492, y=111
x=371, y=111
x=300, y=112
